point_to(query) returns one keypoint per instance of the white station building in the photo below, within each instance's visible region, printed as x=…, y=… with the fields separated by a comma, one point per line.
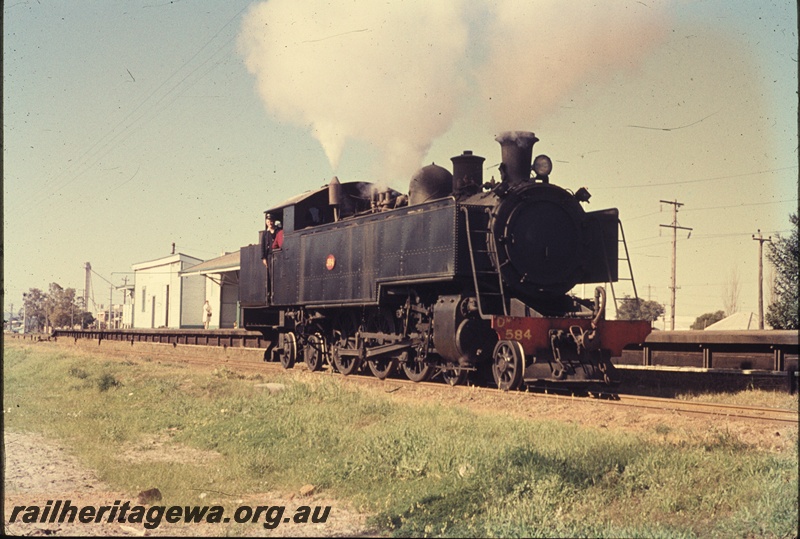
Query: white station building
x=163, y=297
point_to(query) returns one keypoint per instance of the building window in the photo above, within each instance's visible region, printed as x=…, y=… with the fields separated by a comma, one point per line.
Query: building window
x=144, y=295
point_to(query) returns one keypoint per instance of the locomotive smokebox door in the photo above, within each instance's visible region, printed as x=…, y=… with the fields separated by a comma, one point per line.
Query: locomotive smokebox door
x=539, y=239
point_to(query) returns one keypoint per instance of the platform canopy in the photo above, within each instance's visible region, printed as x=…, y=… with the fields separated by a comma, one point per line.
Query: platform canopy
x=226, y=263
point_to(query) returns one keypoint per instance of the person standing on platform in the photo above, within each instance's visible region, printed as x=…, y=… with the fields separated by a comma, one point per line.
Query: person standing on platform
x=206, y=314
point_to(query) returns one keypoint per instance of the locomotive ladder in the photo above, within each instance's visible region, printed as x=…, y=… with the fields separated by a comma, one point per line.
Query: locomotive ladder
x=484, y=297
x=627, y=260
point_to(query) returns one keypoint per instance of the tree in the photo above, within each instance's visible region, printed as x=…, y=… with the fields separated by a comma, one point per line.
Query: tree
x=35, y=309
x=63, y=309
x=783, y=253
x=730, y=296
x=639, y=309
x=705, y=320
x=58, y=307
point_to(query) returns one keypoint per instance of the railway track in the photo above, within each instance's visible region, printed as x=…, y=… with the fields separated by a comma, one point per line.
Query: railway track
x=729, y=411
x=704, y=408
x=254, y=364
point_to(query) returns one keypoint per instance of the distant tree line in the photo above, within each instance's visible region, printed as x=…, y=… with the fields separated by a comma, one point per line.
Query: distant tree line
x=639, y=309
x=705, y=320
x=58, y=307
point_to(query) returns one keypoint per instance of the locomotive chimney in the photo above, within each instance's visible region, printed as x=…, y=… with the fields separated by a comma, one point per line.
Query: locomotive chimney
x=335, y=196
x=467, y=174
x=517, y=149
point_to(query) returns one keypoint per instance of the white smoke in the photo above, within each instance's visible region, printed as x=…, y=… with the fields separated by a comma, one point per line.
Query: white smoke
x=397, y=74
x=378, y=72
x=538, y=52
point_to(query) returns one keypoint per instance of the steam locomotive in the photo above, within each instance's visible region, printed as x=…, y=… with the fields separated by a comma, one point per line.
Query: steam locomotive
x=458, y=276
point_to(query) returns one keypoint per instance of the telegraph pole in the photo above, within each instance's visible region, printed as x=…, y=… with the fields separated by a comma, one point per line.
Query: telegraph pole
x=110, y=305
x=760, y=239
x=86, y=286
x=674, y=226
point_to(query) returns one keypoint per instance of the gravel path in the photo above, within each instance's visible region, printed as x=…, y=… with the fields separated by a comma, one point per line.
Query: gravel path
x=37, y=470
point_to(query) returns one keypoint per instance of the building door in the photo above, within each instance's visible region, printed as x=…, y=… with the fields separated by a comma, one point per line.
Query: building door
x=166, y=306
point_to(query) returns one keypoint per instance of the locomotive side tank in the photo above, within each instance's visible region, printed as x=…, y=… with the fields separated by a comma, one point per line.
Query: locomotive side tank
x=457, y=276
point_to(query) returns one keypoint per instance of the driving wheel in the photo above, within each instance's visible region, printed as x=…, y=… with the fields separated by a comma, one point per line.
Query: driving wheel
x=416, y=370
x=289, y=351
x=314, y=352
x=381, y=322
x=345, y=339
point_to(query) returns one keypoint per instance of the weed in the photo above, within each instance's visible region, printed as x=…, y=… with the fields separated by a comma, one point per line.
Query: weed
x=663, y=429
x=77, y=372
x=226, y=374
x=107, y=381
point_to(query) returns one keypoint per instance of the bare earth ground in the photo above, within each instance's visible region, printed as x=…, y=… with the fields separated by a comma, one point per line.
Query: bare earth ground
x=37, y=469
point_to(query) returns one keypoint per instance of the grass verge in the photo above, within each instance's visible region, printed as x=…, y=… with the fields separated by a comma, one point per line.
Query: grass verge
x=420, y=469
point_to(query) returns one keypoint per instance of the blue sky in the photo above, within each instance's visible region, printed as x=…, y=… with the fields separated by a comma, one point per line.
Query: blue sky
x=132, y=125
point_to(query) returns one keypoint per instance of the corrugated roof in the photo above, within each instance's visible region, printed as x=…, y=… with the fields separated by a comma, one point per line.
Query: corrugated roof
x=221, y=264
x=738, y=321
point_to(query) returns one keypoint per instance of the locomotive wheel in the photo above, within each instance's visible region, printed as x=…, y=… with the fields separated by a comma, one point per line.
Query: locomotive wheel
x=382, y=322
x=382, y=367
x=315, y=352
x=345, y=339
x=289, y=352
x=507, y=364
x=454, y=375
x=416, y=370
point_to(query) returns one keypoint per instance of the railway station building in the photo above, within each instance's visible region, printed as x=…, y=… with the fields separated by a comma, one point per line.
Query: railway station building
x=163, y=298
x=221, y=288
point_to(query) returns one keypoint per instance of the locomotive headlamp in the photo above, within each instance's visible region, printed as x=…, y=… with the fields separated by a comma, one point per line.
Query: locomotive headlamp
x=542, y=166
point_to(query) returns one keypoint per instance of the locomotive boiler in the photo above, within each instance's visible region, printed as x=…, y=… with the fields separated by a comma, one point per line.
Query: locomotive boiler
x=459, y=275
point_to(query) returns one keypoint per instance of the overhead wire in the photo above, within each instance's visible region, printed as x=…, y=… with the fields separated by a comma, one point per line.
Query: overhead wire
x=110, y=139
x=700, y=180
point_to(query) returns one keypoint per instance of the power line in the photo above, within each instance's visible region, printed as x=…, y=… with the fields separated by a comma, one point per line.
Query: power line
x=629, y=219
x=716, y=178
x=742, y=205
x=111, y=139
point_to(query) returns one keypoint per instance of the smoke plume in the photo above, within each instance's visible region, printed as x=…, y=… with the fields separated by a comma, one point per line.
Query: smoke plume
x=397, y=74
x=538, y=52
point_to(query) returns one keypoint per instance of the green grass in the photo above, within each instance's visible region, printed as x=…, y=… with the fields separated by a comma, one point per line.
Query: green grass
x=420, y=469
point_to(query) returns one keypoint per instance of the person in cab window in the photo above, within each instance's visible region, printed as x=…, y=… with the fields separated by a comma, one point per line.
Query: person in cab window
x=271, y=239
x=277, y=242
x=268, y=237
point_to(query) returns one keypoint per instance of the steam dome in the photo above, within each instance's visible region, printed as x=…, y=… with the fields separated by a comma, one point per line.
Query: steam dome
x=430, y=183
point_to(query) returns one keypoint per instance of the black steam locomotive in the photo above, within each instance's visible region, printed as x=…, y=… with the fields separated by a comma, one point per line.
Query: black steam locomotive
x=457, y=276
